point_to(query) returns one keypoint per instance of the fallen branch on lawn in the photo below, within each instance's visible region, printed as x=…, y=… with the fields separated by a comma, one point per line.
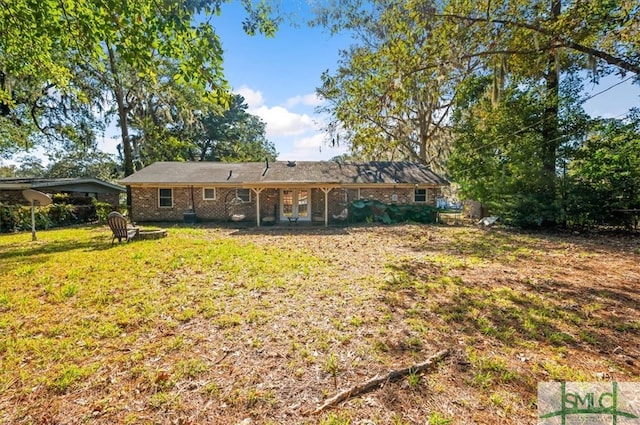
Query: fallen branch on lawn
x=378, y=380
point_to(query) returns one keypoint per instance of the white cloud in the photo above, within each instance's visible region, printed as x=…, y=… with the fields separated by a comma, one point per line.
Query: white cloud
x=307, y=100
x=315, y=141
x=313, y=148
x=297, y=136
x=252, y=97
x=282, y=122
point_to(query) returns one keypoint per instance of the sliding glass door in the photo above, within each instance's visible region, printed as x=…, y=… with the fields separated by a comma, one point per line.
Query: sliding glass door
x=295, y=203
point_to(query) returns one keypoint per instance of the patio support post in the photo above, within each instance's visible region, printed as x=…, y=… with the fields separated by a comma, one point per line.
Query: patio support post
x=326, y=191
x=257, y=191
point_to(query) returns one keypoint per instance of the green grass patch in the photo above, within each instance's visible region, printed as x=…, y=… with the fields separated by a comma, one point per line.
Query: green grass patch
x=236, y=324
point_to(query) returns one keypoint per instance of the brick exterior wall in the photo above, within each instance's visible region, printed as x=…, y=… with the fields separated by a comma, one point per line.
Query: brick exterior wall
x=109, y=198
x=403, y=195
x=12, y=197
x=145, y=203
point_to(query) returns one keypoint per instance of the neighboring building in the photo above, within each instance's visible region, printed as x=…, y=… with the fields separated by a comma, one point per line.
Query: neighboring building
x=11, y=189
x=269, y=192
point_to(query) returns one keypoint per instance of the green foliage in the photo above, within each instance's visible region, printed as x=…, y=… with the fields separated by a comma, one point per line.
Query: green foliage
x=65, y=198
x=8, y=218
x=30, y=166
x=154, y=62
x=509, y=73
x=332, y=367
x=102, y=210
x=16, y=218
x=83, y=161
x=59, y=214
x=335, y=419
x=230, y=135
x=604, y=178
x=41, y=216
x=61, y=198
x=499, y=153
x=413, y=379
x=67, y=376
x=388, y=97
x=368, y=211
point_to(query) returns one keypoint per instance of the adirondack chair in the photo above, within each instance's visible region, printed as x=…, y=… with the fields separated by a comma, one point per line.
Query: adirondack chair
x=121, y=230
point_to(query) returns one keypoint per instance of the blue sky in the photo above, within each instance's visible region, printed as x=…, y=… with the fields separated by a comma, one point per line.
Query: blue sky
x=278, y=77
x=612, y=97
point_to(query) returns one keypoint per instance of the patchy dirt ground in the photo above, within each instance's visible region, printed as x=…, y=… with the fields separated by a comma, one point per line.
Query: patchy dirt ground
x=511, y=309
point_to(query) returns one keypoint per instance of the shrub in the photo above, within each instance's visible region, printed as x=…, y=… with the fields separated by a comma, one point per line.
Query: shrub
x=65, y=198
x=41, y=216
x=17, y=218
x=102, y=210
x=364, y=210
x=60, y=198
x=83, y=214
x=8, y=218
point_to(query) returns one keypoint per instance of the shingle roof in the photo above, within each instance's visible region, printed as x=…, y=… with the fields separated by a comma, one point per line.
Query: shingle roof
x=281, y=172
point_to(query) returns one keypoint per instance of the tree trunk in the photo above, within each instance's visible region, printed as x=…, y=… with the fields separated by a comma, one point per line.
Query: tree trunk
x=550, y=133
x=123, y=111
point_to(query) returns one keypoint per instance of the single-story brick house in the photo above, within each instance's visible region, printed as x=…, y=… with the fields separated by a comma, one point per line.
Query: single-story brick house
x=304, y=191
x=11, y=189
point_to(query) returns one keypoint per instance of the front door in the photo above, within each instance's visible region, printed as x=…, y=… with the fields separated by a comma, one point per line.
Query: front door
x=295, y=203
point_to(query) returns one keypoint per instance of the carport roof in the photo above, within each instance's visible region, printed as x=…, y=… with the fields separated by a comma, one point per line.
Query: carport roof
x=80, y=184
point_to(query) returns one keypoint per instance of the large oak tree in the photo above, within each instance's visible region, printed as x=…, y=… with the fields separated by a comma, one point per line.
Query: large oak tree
x=107, y=52
x=427, y=53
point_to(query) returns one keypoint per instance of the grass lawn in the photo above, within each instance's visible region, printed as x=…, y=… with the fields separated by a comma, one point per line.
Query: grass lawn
x=212, y=325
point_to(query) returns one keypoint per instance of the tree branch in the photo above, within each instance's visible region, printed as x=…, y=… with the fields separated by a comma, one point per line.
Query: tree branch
x=503, y=52
x=560, y=40
x=608, y=58
x=379, y=380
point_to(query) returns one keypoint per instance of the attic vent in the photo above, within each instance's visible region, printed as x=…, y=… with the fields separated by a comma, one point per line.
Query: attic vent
x=291, y=163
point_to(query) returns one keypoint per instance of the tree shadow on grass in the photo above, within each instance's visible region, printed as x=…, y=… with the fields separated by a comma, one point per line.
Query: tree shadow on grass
x=39, y=251
x=498, y=243
x=293, y=230
x=600, y=322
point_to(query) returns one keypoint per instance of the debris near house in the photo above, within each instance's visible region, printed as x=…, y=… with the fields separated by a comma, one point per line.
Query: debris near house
x=488, y=221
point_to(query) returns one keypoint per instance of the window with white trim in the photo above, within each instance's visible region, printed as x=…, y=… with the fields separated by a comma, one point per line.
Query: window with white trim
x=209, y=193
x=244, y=195
x=420, y=195
x=165, y=197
